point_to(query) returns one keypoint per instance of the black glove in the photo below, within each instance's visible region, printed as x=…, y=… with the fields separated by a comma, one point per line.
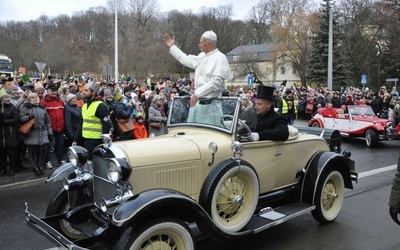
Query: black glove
x=50, y=137
x=394, y=212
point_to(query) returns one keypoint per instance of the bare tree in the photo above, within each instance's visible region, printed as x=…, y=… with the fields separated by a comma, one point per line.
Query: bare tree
x=292, y=29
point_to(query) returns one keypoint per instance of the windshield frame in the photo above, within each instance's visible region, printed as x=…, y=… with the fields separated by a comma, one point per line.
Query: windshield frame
x=368, y=110
x=223, y=100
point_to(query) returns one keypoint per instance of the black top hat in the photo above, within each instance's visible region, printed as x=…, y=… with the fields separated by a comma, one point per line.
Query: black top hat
x=265, y=92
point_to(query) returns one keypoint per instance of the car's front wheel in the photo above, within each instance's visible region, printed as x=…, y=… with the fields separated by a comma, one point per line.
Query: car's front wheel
x=230, y=195
x=371, y=138
x=162, y=233
x=58, y=205
x=329, y=196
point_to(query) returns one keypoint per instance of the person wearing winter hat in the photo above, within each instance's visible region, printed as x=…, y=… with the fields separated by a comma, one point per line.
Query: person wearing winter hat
x=72, y=118
x=15, y=97
x=211, y=70
x=287, y=107
x=156, y=114
x=121, y=111
x=248, y=113
x=9, y=143
x=95, y=119
x=108, y=98
x=39, y=90
x=37, y=140
x=140, y=130
x=55, y=108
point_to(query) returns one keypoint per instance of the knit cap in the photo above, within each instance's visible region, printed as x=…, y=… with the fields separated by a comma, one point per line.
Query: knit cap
x=69, y=97
x=11, y=89
x=117, y=97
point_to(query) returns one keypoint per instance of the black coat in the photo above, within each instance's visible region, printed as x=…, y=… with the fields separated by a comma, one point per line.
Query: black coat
x=72, y=119
x=272, y=126
x=9, y=124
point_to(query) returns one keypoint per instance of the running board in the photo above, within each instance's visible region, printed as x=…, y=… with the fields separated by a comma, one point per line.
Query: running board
x=269, y=217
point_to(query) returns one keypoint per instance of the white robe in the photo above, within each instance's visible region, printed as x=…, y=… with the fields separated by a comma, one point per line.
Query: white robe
x=211, y=71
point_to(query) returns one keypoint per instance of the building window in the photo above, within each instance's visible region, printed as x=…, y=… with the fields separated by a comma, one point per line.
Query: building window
x=269, y=71
x=253, y=56
x=282, y=70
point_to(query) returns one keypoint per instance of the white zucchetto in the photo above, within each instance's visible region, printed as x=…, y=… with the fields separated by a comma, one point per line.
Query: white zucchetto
x=210, y=35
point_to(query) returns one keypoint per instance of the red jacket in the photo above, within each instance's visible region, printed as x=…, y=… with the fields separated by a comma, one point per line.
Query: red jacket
x=55, y=108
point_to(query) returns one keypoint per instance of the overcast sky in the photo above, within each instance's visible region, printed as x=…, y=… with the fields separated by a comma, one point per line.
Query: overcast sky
x=25, y=10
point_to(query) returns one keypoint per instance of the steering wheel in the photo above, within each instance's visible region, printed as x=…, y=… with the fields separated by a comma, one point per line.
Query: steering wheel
x=243, y=132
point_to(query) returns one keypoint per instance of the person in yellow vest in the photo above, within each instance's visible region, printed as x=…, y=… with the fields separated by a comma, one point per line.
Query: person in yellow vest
x=95, y=119
x=287, y=107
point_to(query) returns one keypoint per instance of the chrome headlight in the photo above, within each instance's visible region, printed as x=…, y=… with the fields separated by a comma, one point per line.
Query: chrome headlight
x=114, y=171
x=118, y=169
x=77, y=154
x=390, y=129
x=213, y=147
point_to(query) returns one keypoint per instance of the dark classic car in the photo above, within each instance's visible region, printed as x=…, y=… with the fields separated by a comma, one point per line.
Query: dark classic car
x=207, y=179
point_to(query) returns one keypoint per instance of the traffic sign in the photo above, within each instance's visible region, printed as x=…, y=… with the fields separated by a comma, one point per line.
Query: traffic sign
x=40, y=66
x=250, y=79
x=363, y=79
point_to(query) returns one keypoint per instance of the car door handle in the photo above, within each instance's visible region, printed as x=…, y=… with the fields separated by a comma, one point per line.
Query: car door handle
x=277, y=153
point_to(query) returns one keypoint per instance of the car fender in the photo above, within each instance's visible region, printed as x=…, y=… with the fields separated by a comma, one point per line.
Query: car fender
x=155, y=203
x=320, y=162
x=319, y=121
x=64, y=171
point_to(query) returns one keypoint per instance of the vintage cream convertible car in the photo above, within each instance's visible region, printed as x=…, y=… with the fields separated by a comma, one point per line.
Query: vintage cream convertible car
x=199, y=179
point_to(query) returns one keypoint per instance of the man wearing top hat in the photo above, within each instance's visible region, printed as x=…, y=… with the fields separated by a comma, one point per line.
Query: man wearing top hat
x=270, y=125
x=211, y=70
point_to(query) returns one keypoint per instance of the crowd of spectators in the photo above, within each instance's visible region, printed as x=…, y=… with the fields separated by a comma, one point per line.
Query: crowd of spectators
x=55, y=104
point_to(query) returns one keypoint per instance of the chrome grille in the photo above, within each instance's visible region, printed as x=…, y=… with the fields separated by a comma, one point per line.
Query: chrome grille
x=102, y=187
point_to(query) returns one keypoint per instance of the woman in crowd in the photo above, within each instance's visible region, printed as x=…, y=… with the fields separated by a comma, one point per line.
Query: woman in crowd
x=121, y=111
x=40, y=134
x=248, y=112
x=157, y=115
x=9, y=122
x=72, y=118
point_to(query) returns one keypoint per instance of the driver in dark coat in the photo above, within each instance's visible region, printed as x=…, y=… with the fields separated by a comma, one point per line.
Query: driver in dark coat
x=270, y=125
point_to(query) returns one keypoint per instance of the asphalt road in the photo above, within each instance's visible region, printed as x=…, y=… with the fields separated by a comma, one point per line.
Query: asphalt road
x=364, y=222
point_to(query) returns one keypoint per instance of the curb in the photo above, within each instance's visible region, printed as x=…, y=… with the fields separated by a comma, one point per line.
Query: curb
x=43, y=179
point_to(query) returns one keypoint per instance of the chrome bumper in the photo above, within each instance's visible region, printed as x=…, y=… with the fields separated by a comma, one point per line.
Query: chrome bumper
x=47, y=231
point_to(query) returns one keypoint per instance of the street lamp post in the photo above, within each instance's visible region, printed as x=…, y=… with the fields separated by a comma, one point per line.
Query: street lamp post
x=330, y=50
x=116, y=41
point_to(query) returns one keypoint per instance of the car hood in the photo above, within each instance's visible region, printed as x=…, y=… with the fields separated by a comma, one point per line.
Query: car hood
x=370, y=119
x=144, y=152
x=179, y=145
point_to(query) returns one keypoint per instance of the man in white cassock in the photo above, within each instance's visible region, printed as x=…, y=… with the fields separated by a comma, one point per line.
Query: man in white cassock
x=211, y=70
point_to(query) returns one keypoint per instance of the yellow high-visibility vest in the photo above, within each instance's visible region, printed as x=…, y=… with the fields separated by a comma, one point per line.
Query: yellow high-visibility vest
x=285, y=107
x=91, y=127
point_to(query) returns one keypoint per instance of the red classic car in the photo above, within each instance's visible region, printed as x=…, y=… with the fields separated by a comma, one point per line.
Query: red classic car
x=360, y=121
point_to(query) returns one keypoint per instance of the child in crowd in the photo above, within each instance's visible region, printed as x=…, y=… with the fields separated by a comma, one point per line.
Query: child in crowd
x=140, y=129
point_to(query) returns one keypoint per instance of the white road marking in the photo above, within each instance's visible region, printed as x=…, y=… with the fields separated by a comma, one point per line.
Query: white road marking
x=376, y=171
